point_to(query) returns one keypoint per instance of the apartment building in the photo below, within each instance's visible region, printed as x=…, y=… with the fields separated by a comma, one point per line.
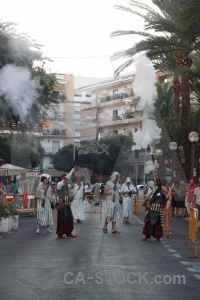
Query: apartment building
x=58, y=128
x=62, y=127
x=81, y=98
x=112, y=110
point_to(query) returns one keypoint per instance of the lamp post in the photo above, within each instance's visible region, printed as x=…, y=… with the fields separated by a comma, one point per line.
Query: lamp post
x=193, y=138
x=173, y=146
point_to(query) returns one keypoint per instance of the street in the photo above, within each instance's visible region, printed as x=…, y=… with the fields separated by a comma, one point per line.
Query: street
x=97, y=265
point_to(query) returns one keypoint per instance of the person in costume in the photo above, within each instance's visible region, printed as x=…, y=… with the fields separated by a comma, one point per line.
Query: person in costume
x=77, y=205
x=127, y=191
x=96, y=192
x=155, y=203
x=43, y=197
x=65, y=224
x=113, y=204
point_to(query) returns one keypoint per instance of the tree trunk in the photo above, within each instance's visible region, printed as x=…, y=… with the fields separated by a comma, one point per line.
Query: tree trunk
x=185, y=94
x=176, y=91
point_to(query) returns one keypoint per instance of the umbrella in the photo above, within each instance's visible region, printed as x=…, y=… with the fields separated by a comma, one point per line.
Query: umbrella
x=9, y=170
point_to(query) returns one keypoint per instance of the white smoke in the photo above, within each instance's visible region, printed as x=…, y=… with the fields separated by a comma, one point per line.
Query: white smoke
x=144, y=87
x=18, y=89
x=150, y=166
x=144, y=83
x=147, y=135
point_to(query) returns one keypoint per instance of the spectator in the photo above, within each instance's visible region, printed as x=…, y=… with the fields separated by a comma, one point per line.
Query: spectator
x=190, y=196
x=88, y=189
x=197, y=198
x=96, y=192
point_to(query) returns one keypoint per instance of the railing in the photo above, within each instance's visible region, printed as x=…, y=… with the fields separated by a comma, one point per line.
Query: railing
x=51, y=150
x=54, y=132
x=168, y=217
x=25, y=202
x=193, y=230
x=116, y=96
x=59, y=115
x=90, y=207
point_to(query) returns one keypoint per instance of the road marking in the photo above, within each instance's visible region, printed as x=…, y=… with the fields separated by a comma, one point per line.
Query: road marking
x=171, y=250
x=183, y=262
x=191, y=269
x=177, y=255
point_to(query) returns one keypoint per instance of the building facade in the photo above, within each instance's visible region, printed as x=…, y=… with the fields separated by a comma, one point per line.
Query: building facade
x=112, y=110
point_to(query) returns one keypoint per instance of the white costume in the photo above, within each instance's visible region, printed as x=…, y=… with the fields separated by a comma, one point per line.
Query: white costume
x=44, y=214
x=113, y=208
x=77, y=206
x=128, y=200
x=96, y=192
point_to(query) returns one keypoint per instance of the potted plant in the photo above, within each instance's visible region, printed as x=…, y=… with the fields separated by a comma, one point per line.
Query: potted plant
x=5, y=218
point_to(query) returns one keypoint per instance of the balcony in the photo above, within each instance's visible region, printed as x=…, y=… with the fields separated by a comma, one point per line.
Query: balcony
x=50, y=150
x=116, y=96
x=61, y=132
x=57, y=115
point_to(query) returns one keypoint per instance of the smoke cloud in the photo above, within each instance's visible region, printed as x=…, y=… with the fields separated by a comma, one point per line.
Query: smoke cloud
x=144, y=87
x=18, y=89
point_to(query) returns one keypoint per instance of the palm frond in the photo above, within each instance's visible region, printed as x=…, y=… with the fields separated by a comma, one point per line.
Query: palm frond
x=189, y=16
x=122, y=67
x=129, y=32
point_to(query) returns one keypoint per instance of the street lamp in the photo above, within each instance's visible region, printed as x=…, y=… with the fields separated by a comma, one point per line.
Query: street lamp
x=193, y=138
x=173, y=146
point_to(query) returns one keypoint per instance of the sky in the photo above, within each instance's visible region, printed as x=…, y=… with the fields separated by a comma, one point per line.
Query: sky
x=75, y=34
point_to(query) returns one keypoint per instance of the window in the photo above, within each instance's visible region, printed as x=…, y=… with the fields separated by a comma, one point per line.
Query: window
x=55, y=146
x=98, y=95
x=115, y=92
x=115, y=114
x=115, y=132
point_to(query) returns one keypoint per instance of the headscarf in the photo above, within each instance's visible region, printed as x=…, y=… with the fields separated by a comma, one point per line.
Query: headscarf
x=151, y=184
x=114, y=176
x=128, y=179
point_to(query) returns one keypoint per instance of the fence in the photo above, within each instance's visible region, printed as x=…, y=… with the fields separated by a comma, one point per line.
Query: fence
x=168, y=217
x=136, y=206
x=22, y=203
x=91, y=208
x=193, y=229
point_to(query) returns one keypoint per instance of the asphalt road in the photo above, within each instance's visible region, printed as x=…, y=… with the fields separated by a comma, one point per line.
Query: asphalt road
x=97, y=265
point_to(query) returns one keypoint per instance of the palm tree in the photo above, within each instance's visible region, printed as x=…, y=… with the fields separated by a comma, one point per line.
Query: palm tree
x=164, y=111
x=193, y=122
x=167, y=42
x=190, y=16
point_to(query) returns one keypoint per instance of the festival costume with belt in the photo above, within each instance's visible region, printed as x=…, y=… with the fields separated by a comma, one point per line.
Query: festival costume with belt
x=65, y=217
x=154, y=219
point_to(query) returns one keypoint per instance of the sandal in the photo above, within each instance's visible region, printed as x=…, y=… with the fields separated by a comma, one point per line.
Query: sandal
x=105, y=230
x=115, y=231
